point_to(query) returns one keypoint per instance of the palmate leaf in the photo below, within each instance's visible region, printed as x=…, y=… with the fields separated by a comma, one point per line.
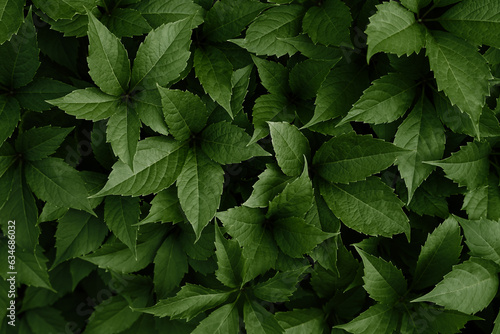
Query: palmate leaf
x=171, y=263
x=108, y=59
x=460, y=71
x=368, y=206
x=379, y=318
x=439, y=253
x=423, y=134
x=123, y=133
x=349, y=158
x=386, y=100
x=483, y=202
x=394, y=29
x=468, y=288
x=328, y=23
x=467, y=167
x=11, y=18
x=481, y=238
x=263, y=35
x=120, y=214
x=229, y=260
x=258, y=320
x=271, y=182
x=199, y=187
x=224, y=320
x=157, y=164
x=475, y=21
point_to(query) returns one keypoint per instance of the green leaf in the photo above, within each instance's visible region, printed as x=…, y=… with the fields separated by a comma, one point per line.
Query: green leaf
x=158, y=12
x=328, y=23
x=126, y=22
x=120, y=214
x=271, y=107
x=273, y=76
x=484, y=202
x=199, y=187
x=188, y=303
x=271, y=182
x=226, y=19
x=39, y=143
x=185, y=113
x=475, y=21
x=258, y=320
x=480, y=236
x=379, y=318
x=108, y=59
x=306, y=77
x=20, y=54
x=34, y=95
x=349, y=158
x=229, y=260
x=367, y=206
x=448, y=321
x=150, y=110
x=162, y=56
x=78, y=233
x=295, y=237
x=279, y=287
x=224, y=320
x=295, y=200
x=8, y=156
x=215, y=71
x=383, y=281
x=309, y=320
x=63, y=9
x=460, y=71
x=19, y=205
x=10, y=113
x=415, y=5
x=170, y=266
x=336, y=95
x=290, y=146
x=423, y=134
x=157, y=164
x=439, y=253
x=386, y=100
x=165, y=207
x=31, y=267
x=469, y=166
x=468, y=288
x=263, y=35
x=240, y=80
x=46, y=320
x=246, y=225
x=303, y=44
x=11, y=18
x=226, y=143
x=393, y=29
x=123, y=133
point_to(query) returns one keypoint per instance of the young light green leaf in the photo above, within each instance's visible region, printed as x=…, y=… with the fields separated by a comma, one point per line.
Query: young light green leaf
x=468, y=288
x=188, y=303
x=273, y=75
x=271, y=107
x=185, y=113
x=415, y=5
x=226, y=143
x=306, y=77
x=120, y=214
x=460, y=71
x=123, y=133
x=423, y=134
x=469, y=166
x=368, y=206
x=474, y=20
x=165, y=207
x=10, y=114
x=162, y=56
x=157, y=164
x=226, y=19
x=279, y=287
x=53, y=180
x=393, y=29
x=229, y=260
x=383, y=281
x=263, y=35
x=480, y=236
x=309, y=320
x=90, y=104
x=20, y=54
x=258, y=320
x=78, y=233
x=215, y=71
x=199, y=187
x=439, y=253
x=108, y=59
x=224, y=320
x=11, y=18
x=34, y=95
x=170, y=266
x=386, y=100
x=271, y=182
x=159, y=12
x=484, y=202
x=126, y=22
x=290, y=146
x=379, y=318
x=295, y=237
x=328, y=23
x=349, y=158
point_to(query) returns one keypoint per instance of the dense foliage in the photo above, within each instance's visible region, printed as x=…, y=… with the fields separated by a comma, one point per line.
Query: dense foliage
x=243, y=166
